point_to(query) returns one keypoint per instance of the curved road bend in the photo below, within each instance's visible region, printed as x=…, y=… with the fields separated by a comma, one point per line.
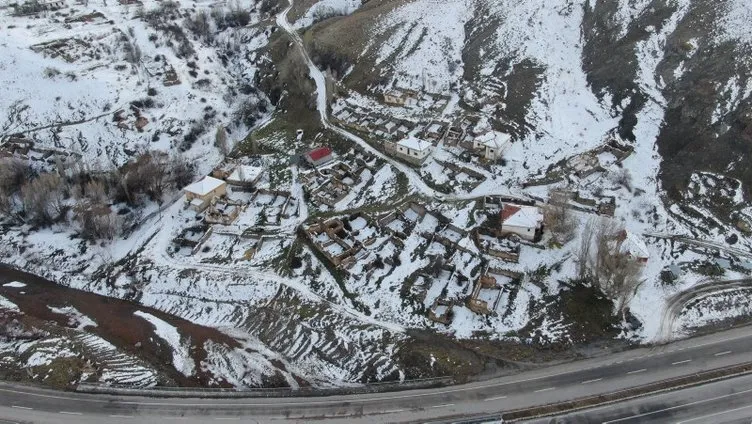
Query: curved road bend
x=533, y=388
x=678, y=302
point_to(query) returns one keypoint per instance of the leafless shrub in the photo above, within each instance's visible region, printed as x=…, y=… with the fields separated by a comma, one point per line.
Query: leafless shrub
x=200, y=25
x=13, y=173
x=623, y=178
x=43, y=199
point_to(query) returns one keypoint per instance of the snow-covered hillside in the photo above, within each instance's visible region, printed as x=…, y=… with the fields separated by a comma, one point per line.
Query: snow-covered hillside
x=78, y=79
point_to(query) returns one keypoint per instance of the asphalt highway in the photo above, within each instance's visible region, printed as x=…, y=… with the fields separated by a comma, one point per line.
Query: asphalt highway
x=558, y=383
x=726, y=401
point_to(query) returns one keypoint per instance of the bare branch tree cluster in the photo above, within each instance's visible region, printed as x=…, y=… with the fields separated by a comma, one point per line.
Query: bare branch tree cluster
x=46, y=198
x=601, y=260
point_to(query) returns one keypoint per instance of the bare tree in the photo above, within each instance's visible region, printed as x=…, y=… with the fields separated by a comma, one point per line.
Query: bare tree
x=220, y=140
x=182, y=172
x=603, y=260
x=97, y=221
x=559, y=220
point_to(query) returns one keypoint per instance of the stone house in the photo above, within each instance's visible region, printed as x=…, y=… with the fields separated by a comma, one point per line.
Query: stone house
x=200, y=194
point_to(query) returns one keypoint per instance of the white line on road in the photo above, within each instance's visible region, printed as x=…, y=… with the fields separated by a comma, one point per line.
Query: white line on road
x=637, y=371
x=722, y=353
x=220, y=404
x=70, y=413
x=226, y=418
x=393, y=411
x=591, y=381
x=443, y=405
x=715, y=415
x=676, y=407
x=20, y=407
x=547, y=389
x=121, y=416
x=681, y=362
x=494, y=398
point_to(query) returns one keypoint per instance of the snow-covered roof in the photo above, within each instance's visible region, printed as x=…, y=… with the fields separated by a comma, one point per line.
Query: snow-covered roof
x=494, y=140
x=205, y=186
x=634, y=246
x=246, y=173
x=521, y=216
x=414, y=143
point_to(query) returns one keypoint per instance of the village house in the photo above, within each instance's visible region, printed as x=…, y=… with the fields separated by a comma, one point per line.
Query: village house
x=319, y=156
x=633, y=246
x=400, y=97
x=524, y=221
x=199, y=195
x=491, y=144
x=414, y=149
x=441, y=311
x=435, y=131
x=245, y=175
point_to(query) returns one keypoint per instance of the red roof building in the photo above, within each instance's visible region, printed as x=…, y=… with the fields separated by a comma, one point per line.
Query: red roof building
x=508, y=211
x=319, y=156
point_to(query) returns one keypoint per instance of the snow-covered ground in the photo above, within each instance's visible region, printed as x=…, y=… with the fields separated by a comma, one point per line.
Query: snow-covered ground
x=304, y=322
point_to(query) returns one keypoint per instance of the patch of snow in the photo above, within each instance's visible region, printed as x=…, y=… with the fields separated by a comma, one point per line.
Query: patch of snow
x=75, y=318
x=7, y=304
x=181, y=358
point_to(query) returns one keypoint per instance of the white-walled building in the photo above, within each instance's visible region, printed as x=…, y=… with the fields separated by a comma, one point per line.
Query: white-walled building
x=525, y=221
x=492, y=144
x=200, y=194
x=414, y=148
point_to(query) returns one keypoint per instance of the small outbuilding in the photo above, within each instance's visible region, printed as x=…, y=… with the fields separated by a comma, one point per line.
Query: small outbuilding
x=633, y=246
x=200, y=194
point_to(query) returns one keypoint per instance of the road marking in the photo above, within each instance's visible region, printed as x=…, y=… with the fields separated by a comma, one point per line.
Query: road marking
x=226, y=418
x=637, y=371
x=681, y=362
x=393, y=411
x=547, y=389
x=121, y=416
x=443, y=405
x=219, y=404
x=70, y=413
x=715, y=415
x=591, y=381
x=21, y=407
x=677, y=407
x=722, y=353
x=494, y=398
